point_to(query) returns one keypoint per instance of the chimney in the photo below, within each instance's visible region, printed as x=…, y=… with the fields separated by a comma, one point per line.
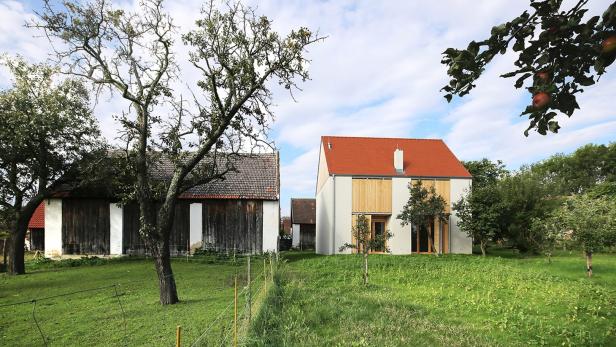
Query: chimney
x=398, y=160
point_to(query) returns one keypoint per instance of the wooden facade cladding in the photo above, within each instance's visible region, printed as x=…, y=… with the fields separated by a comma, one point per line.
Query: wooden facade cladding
x=85, y=226
x=132, y=243
x=233, y=225
x=372, y=195
x=443, y=188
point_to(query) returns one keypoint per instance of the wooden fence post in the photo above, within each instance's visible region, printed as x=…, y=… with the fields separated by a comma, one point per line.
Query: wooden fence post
x=235, y=314
x=178, y=336
x=264, y=275
x=249, y=294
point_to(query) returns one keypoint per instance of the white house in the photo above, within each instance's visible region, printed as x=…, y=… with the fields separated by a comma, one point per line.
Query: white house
x=371, y=177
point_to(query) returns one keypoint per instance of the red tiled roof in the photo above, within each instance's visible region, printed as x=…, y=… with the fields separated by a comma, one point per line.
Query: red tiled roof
x=375, y=157
x=37, y=221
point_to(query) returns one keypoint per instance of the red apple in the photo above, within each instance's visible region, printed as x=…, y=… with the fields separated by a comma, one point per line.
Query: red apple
x=541, y=100
x=608, y=45
x=543, y=76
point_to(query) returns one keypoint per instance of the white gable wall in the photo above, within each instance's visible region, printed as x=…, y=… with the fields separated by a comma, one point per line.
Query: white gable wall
x=343, y=202
x=325, y=217
x=115, y=229
x=459, y=241
x=295, y=235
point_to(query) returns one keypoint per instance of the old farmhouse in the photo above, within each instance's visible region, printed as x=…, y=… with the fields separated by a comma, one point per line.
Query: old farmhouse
x=371, y=176
x=240, y=213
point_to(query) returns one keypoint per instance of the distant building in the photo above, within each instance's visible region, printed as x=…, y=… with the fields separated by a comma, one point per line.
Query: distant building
x=285, y=225
x=36, y=229
x=303, y=219
x=371, y=177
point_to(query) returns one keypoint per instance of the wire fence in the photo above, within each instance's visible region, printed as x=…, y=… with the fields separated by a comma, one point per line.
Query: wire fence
x=60, y=318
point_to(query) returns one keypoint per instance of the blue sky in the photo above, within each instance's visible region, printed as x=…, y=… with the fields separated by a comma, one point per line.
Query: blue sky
x=378, y=74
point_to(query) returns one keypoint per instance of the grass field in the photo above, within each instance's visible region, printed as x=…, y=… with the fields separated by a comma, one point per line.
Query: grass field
x=444, y=301
x=94, y=318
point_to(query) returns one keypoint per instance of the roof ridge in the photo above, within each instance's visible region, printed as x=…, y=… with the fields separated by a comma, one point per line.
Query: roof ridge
x=382, y=138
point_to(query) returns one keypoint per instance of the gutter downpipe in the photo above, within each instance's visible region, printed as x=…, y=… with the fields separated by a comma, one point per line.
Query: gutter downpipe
x=334, y=222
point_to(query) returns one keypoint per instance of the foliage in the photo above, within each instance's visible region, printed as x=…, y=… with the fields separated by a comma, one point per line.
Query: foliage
x=48, y=138
x=592, y=222
x=546, y=234
x=423, y=206
x=485, y=172
x=579, y=171
x=448, y=301
x=480, y=214
x=556, y=48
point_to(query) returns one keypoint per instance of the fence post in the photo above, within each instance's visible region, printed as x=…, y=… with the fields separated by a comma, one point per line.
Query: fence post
x=249, y=294
x=264, y=275
x=271, y=267
x=178, y=336
x=235, y=314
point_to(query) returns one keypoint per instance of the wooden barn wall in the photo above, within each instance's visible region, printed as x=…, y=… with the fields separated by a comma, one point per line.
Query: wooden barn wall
x=85, y=226
x=37, y=239
x=233, y=225
x=180, y=231
x=307, y=236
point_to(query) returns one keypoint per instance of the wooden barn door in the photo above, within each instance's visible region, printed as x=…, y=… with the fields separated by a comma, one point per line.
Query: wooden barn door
x=85, y=226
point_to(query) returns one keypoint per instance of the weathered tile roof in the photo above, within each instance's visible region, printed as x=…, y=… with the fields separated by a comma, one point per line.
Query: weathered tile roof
x=371, y=156
x=303, y=211
x=257, y=177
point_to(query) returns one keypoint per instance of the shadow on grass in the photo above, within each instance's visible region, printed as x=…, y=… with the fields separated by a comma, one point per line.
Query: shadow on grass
x=293, y=256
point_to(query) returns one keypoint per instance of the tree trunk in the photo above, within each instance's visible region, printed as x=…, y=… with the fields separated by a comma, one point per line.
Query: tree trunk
x=482, y=245
x=17, y=241
x=166, y=282
x=365, y=268
x=589, y=263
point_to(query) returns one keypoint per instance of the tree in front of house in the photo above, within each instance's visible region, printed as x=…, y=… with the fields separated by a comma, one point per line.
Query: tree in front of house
x=423, y=207
x=366, y=242
x=480, y=214
x=236, y=54
x=48, y=137
x=559, y=49
x=590, y=223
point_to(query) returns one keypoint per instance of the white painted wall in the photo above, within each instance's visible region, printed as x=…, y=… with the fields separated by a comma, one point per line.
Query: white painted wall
x=459, y=241
x=400, y=242
x=271, y=223
x=115, y=229
x=295, y=235
x=53, y=228
x=325, y=216
x=344, y=209
x=195, y=239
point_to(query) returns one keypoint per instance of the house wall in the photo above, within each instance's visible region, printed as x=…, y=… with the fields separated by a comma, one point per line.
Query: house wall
x=400, y=242
x=196, y=227
x=115, y=229
x=343, y=203
x=271, y=224
x=234, y=225
x=371, y=195
x=325, y=217
x=85, y=226
x=295, y=235
x=460, y=242
x=323, y=172
x=53, y=228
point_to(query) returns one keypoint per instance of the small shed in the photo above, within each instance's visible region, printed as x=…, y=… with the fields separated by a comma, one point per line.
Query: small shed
x=303, y=221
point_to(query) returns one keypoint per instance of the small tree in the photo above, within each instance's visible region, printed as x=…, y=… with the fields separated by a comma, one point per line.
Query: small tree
x=365, y=242
x=479, y=215
x=546, y=233
x=592, y=223
x=423, y=207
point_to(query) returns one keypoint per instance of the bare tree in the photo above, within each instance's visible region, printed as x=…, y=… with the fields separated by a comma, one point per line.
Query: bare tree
x=236, y=53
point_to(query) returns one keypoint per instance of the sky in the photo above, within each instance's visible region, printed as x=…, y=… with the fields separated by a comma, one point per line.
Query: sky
x=378, y=73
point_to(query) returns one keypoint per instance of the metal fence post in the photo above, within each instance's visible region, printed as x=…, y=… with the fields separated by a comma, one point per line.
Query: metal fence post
x=235, y=314
x=249, y=294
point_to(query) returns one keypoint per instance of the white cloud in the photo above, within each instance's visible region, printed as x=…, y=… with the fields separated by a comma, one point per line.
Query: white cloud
x=378, y=74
